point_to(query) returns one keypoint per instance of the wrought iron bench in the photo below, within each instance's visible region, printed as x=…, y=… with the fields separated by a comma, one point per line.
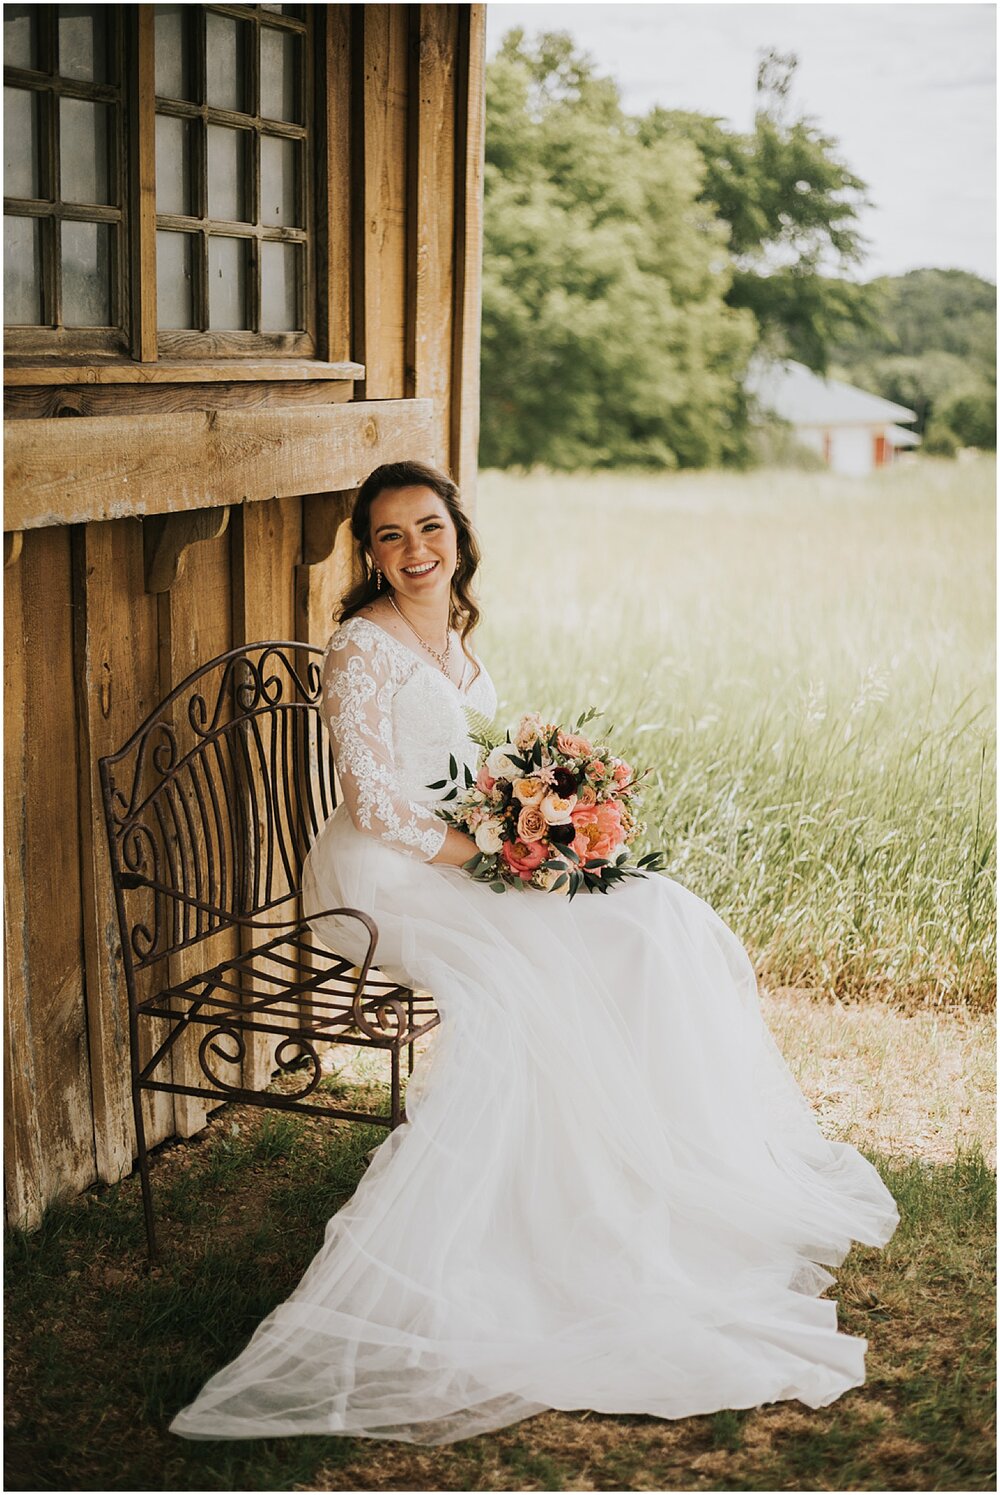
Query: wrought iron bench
x=210, y=808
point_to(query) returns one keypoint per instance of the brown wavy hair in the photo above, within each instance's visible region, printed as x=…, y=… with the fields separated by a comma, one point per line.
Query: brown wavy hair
x=464, y=613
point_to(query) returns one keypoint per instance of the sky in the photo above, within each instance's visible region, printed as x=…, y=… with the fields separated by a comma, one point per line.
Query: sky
x=908, y=90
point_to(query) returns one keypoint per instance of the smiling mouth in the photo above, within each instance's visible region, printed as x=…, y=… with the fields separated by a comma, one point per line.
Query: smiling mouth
x=419, y=570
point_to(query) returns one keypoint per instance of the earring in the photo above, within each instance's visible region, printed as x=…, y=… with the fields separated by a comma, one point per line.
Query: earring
x=378, y=580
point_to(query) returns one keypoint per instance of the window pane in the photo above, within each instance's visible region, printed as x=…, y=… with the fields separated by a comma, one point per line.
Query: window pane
x=83, y=151
x=175, y=280
x=225, y=54
x=83, y=42
x=279, y=182
x=86, y=268
x=20, y=45
x=227, y=174
x=22, y=272
x=20, y=143
x=227, y=283
x=279, y=71
x=279, y=281
x=173, y=53
x=173, y=165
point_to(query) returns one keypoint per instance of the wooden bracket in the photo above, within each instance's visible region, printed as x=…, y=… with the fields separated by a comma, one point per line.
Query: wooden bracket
x=13, y=539
x=166, y=537
x=322, y=516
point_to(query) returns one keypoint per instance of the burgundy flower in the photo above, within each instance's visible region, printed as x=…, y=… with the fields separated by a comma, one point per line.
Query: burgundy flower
x=564, y=782
x=562, y=835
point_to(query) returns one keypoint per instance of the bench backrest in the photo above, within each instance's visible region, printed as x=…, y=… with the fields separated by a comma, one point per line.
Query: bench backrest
x=213, y=802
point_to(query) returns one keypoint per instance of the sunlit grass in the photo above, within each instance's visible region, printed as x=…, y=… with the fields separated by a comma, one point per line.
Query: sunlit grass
x=807, y=664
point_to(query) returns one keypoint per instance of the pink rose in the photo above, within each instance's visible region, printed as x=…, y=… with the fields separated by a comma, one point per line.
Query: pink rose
x=598, y=829
x=623, y=773
x=596, y=770
x=531, y=824
x=483, y=781
x=522, y=857
x=573, y=746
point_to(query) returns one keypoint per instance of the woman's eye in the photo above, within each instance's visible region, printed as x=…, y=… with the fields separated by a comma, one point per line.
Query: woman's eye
x=430, y=527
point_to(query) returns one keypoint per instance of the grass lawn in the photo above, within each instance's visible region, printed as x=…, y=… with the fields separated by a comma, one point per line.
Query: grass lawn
x=100, y=1354
x=807, y=664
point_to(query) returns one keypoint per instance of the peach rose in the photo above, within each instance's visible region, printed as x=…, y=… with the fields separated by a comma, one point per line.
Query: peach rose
x=596, y=770
x=574, y=746
x=598, y=829
x=531, y=824
x=522, y=857
x=586, y=795
x=623, y=772
x=528, y=791
x=484, y=781
x=558, y=811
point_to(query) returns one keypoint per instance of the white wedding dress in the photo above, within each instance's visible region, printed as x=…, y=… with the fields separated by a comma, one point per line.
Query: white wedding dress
x=609, y=1193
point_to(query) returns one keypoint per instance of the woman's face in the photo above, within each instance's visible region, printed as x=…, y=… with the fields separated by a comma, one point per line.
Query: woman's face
x=414, y=542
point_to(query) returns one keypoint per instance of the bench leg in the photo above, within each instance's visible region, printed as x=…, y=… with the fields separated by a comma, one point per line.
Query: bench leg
x=397, y=1109
x=143, y=1160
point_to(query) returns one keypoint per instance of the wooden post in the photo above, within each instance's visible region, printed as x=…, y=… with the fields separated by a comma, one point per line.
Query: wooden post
x=115, y=656
x=470, y=146
x=430, y=302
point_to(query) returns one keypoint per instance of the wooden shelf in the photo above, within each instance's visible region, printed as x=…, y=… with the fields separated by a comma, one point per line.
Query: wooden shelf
x=261, y=371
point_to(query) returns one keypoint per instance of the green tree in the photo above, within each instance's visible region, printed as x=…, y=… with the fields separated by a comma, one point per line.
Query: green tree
x=931, y=347
x=607, y=340
x=791, y=205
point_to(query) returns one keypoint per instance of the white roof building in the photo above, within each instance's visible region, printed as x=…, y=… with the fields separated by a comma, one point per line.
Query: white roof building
x=853, y=431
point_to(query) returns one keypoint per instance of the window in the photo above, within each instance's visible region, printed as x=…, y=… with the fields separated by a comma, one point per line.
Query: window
x=223, y=112
x=232, y=192
x=64, y=212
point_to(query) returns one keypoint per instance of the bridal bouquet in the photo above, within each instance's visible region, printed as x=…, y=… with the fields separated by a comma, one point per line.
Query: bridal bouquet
x=548, y=809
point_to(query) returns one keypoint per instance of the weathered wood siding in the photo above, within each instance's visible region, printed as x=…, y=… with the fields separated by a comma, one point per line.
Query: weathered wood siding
x=158, y=514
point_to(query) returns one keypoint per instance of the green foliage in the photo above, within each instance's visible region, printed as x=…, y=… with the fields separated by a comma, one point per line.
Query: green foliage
x=606, y=337
x=632, y=264
x=932, y=347
x=790, y=205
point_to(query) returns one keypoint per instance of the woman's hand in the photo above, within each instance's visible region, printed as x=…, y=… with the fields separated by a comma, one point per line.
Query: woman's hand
x=456, y=849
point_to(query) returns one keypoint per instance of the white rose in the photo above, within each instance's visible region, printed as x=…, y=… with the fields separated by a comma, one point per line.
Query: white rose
x=498, y=764
x=556, y=810
x=543, y=877
x=489, y=835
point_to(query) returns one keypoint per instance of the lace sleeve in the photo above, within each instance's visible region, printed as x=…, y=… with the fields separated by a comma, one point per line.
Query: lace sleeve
x=358, y=686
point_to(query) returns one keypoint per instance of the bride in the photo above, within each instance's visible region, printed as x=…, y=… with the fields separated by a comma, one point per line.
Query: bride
x=609, y=1192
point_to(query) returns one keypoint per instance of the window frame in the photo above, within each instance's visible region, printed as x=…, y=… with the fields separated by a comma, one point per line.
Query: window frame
x=51, y=337
x=132, y=158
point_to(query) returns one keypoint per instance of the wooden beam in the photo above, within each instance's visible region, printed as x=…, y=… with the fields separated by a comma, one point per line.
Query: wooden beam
x=470, y=148
x=108, y=467
x=142, y=180
x=22, y=1136
x=382, y=263
x=333, y=257
x=166, y=538
x=195, y=372
x=431, y=218
x=13, y=542
x=266, y=546
x=115, y=665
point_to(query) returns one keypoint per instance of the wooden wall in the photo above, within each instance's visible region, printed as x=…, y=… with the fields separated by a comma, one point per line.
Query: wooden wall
x=157, y=514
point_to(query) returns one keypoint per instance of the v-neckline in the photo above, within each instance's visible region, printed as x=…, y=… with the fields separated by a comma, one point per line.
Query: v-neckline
x=462, y=689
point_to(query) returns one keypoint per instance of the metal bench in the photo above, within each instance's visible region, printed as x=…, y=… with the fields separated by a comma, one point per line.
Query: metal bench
x=210, y=808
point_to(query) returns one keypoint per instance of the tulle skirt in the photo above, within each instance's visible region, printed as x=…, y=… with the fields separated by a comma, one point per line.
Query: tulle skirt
x=609, y=1192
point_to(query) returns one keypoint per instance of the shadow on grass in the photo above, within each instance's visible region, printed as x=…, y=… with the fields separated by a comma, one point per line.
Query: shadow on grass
x=101, y=1354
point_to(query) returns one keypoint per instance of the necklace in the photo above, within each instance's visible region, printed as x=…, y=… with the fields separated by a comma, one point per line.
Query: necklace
x=443, y=658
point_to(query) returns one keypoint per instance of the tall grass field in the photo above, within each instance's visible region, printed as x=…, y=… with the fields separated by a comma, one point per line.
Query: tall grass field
x=806, y=664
